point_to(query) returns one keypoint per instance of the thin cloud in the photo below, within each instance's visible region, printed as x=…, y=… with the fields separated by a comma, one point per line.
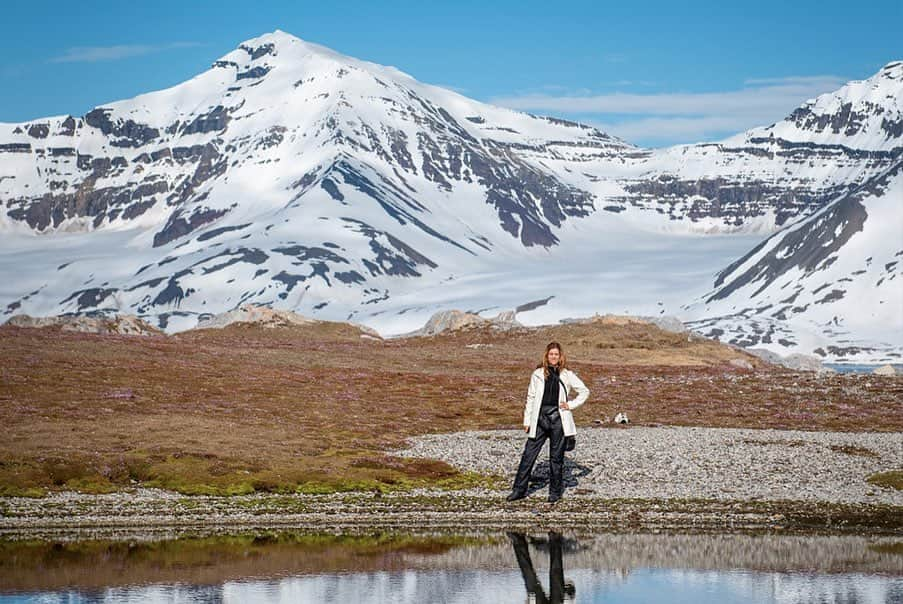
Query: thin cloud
x=93, y=54
x=690, y=129
x=753, y=100
x=633, y=83
x=682, y=116
x=794, y=80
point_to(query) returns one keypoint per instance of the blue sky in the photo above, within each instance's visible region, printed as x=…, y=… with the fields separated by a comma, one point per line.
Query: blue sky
x=654, y=73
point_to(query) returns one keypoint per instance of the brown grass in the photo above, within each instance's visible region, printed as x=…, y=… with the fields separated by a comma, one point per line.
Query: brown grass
x=892, y=479
x=318, y=408
x=854, y=450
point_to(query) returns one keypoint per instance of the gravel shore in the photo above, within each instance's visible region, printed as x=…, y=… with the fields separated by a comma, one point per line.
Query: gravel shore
x=692, y=463
x=618, y=479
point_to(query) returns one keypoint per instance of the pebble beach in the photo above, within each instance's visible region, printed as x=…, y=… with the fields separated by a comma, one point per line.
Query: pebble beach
x=693, y=463
x=629, y=478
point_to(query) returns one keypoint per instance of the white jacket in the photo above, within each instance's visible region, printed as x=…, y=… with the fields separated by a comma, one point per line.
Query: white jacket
x=534, y=400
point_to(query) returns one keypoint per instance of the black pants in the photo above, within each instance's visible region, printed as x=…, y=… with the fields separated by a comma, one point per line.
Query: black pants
x=548, y=426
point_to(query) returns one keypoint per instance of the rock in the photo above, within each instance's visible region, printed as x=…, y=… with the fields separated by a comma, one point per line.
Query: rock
x=369, y=332
x=805, y=362
x=741, y=364
x=668, y=323
x=453, y=320
x=103, y=324
x=796, y=361
x=603, y=319
x=766, y=355
x=885, y=370
x=507, y=318
x=259, y=315
x=130, y=325
x=267, y=317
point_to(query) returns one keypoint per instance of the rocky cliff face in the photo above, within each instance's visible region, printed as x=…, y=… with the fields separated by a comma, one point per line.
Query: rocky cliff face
x=291, y=176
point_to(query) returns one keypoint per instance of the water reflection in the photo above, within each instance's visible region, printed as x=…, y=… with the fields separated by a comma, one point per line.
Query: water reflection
x=559, y=589
x=621, y=568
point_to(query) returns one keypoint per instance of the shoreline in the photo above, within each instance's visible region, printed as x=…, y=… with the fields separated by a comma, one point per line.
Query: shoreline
x=151, y=514
x=624, y=479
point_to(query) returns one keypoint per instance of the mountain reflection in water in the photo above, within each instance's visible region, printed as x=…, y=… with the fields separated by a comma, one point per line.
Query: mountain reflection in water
x=289, y=567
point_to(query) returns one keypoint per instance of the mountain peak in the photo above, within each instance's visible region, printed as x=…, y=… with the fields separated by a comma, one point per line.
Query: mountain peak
x=862, y=114
x=281, y=41
x=292, y=176
x=282, y=48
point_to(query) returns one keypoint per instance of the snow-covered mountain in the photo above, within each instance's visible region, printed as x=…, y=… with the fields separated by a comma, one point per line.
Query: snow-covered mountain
x=290, y=175
x=773, y=175
x=830, y=283
x=286, y=174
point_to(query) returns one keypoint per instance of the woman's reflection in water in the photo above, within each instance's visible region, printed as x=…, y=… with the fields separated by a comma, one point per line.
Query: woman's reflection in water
x=559, y=590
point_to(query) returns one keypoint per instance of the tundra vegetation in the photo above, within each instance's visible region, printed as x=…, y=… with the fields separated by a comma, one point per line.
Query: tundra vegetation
x=320, y=408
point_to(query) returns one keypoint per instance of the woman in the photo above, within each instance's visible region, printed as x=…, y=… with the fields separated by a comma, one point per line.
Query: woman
x=547, y=415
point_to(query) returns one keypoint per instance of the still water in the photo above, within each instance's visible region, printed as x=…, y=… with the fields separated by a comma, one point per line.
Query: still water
x=512, y=567
x=859, y=368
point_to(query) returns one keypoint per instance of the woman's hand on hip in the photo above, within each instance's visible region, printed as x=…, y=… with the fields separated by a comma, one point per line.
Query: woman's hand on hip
x=564, y=406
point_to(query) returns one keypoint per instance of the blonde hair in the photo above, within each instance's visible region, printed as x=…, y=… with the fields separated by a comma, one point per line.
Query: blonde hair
x=562, y=360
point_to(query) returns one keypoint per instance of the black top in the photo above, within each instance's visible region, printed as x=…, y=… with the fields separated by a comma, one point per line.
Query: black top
x=550, y=393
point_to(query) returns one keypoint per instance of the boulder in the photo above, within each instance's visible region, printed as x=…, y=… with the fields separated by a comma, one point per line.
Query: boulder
x=805, y=362
x=741, y=364
x=453, y=320
x=252, y=313
x=665, y=323
x=796, y=361
x=103, y=324
x=766, y=355
x=506, y=318
x=267, y=317
x=885, y=370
